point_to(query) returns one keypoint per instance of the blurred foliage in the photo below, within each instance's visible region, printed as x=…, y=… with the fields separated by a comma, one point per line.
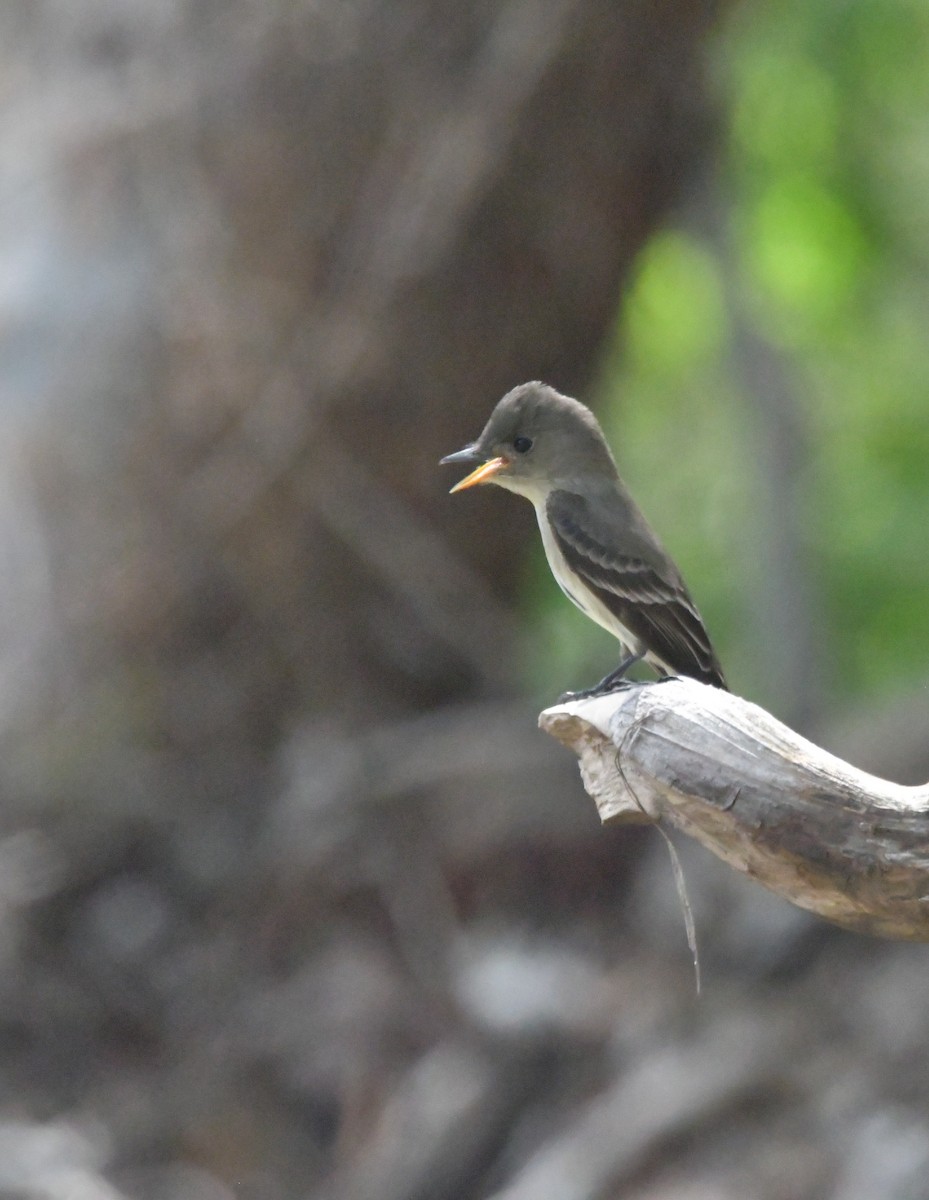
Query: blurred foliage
x=820, y=248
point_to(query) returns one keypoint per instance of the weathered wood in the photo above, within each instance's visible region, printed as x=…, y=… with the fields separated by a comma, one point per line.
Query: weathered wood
x=832, y=839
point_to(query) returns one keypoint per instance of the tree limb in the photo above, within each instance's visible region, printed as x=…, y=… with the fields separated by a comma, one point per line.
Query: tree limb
x=832, y=839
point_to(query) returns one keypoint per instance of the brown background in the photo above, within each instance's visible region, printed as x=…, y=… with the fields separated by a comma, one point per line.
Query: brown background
x=295, y=899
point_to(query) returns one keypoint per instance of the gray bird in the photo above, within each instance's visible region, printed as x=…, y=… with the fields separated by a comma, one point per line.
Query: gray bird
x=601, y=550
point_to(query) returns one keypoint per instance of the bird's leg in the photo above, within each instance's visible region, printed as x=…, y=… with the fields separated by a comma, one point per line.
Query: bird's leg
x=606, y=683
x=609, y=683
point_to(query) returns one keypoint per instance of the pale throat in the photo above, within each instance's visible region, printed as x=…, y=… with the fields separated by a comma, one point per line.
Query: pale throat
x=535, y=490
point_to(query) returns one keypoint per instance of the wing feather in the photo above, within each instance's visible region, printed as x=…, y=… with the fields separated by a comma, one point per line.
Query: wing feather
x=643, y=590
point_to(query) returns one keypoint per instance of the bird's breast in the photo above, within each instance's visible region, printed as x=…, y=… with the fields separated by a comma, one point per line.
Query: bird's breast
x=576, y=589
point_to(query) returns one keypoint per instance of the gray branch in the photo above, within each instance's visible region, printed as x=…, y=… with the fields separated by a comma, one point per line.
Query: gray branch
x=832, y=839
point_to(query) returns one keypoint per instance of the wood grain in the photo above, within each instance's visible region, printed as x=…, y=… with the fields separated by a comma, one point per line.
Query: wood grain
x=832, y=839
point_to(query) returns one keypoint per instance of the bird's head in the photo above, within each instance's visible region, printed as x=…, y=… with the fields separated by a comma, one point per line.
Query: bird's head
x=536, y=440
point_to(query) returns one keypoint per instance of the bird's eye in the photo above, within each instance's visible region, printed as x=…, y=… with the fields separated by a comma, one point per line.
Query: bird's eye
x=522, y=445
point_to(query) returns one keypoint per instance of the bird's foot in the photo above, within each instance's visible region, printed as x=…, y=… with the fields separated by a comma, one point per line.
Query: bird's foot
x=614, y=682
x=604, y=688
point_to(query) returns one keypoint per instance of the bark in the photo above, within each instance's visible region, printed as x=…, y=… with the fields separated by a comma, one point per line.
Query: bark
x=832, y=839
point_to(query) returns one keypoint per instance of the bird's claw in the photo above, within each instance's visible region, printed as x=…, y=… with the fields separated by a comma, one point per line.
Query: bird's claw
x=599, y=689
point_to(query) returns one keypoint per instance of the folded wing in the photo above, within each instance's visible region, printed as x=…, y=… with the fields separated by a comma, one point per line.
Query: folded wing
x=643, y=589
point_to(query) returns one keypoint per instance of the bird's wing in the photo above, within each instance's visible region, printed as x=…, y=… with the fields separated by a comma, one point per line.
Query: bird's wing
x=643, y=589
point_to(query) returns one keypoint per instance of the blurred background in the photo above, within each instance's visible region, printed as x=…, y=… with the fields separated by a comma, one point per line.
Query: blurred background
x=295, y=901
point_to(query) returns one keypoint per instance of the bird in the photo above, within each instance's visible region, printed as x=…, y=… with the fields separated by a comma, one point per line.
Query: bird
x=602, y=551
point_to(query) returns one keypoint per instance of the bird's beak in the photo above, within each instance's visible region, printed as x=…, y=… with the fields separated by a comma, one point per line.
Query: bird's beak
x=484, y=472
x=469, y=454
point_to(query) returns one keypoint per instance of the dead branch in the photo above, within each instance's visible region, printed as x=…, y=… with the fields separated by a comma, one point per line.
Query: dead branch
x=832, y=839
